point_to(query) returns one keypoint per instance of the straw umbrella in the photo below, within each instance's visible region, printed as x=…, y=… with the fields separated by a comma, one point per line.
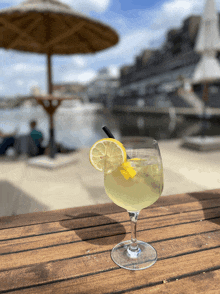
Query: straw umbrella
x=51, y=27
x=208, y=44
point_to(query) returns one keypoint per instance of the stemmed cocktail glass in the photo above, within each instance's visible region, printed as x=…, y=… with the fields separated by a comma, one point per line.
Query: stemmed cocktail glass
x=139, y=190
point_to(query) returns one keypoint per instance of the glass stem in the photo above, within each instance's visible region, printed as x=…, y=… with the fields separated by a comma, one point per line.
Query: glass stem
x=133, y=248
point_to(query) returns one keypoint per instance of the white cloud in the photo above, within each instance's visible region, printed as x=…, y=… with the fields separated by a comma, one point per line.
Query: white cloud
x=217, y=3
x=175, y=6
x=80, y=5
x=114, y=70
x=173, y=12
x=81, y=77
x=25, y=68
x=89, y=5
x=79, y=61
x=131, y=44
x=119, y=20
x=32, y=83
x=19, y=82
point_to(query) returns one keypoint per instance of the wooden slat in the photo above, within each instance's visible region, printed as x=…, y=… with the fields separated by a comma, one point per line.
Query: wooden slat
x=95, y=245
x=119, y=279
x=98, y=220
x=41, y=260
x=109, y=208
x=20, y=32
x=56, y=215
x=16, y=40
x=207, y=282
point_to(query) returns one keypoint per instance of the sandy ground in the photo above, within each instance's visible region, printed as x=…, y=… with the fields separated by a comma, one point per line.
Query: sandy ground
x=25, y=188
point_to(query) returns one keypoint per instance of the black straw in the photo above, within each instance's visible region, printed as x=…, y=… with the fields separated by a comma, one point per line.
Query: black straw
x=108, y=132
x=110, y=135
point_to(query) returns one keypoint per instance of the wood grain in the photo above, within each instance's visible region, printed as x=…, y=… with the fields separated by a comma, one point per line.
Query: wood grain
x=109, y=208
x=120, y=280
x=206, y=282
x=68, y=251
x=156, y=234
x=70, y=260
x=98, y=220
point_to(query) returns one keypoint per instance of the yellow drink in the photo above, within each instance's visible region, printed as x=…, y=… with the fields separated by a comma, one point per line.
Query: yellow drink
x=138, y=192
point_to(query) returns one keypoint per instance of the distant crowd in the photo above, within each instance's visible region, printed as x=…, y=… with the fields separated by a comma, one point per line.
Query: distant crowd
x=30, y=144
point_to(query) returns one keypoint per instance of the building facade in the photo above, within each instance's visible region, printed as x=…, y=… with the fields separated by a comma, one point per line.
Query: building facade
x=103, y=88
x=157, y=75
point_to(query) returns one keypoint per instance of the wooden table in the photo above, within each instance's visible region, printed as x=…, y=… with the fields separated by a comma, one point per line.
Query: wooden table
x=68, y=251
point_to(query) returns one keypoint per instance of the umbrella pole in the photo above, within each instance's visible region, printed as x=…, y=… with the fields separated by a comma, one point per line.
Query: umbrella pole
x=50, y=91
x=49, y=76
x=52, y=147
x=205, y=99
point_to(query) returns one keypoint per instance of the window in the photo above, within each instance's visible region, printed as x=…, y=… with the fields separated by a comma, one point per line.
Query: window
x=140, y=102
x=142, y=90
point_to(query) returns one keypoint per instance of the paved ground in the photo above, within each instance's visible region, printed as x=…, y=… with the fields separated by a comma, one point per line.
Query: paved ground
x=25, y=188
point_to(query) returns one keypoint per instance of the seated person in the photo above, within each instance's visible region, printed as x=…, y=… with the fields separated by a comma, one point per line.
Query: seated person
x=8, y=141
x=37, y=137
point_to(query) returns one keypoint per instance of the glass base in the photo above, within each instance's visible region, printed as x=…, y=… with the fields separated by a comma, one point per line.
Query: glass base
x=137, y=259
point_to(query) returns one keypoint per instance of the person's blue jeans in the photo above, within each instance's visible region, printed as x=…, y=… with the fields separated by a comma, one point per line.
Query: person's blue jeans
x=7, y=142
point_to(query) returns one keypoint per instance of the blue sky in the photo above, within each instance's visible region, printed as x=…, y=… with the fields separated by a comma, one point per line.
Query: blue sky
x=140, y=24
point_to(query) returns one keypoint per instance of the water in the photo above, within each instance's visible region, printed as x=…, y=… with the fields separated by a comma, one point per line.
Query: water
x=73, y=127
x=82, y=128
x=165, y=126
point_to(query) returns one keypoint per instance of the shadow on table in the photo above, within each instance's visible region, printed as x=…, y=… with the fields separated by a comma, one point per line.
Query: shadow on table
x=90, y=226
x=97, y=193
x=212, y=213
x=14, y=201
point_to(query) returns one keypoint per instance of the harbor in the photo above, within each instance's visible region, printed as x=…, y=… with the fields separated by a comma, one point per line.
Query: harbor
x=166, y=93
x=84, y=130
x=188, y=112
x=26, y=188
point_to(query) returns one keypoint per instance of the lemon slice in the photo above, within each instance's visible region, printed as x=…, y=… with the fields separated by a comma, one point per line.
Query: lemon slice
x=107, y=154
x=127, y=170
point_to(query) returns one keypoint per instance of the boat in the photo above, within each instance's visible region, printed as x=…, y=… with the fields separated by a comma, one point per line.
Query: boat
x=79, y=105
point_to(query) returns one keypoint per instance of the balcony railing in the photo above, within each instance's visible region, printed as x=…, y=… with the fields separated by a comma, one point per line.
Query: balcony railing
x=183, y=60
